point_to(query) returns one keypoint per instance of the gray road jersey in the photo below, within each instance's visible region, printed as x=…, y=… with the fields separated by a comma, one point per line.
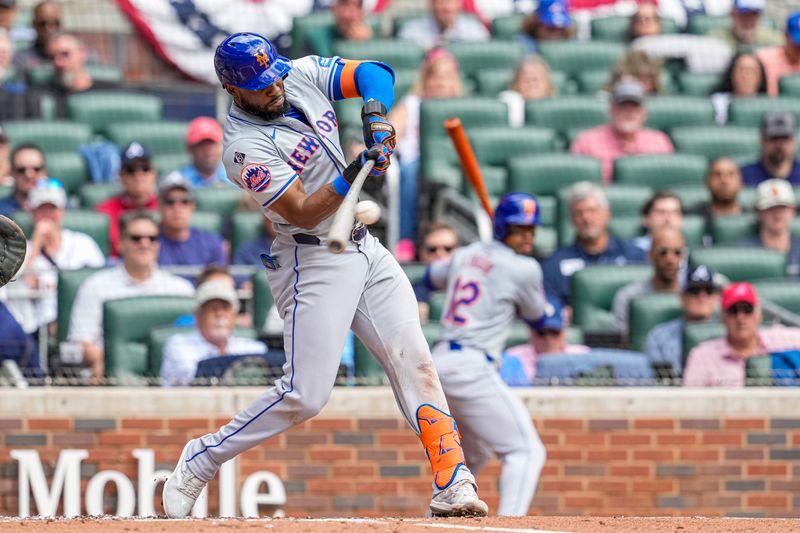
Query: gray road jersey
x=488, y=284
x=265, y=158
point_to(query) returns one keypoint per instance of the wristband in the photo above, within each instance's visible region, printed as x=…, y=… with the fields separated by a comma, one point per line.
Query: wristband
x=341, y=186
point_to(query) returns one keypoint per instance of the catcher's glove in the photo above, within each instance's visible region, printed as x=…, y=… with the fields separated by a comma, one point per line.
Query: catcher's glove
x=12, y=249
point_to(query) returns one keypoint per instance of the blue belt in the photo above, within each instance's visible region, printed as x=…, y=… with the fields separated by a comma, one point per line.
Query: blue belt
x=456, y=347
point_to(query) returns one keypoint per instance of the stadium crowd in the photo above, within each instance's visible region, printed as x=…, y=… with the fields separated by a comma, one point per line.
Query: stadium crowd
x=663, y=154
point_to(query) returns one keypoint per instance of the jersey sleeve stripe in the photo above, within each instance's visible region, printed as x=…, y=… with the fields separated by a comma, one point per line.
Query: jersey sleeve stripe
x=280, y=192
x=347, y=80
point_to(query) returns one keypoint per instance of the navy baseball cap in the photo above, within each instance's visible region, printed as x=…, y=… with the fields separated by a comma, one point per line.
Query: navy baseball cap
x=554, y=13
x=134, y=151
x=553, y=317
x=793, y=27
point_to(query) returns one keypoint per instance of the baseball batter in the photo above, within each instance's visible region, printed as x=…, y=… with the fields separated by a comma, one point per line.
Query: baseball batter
x=282, y=145
x=487, y=285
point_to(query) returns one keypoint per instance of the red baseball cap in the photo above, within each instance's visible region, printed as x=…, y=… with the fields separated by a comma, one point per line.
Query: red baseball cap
x=739, y=292
x=203, y=129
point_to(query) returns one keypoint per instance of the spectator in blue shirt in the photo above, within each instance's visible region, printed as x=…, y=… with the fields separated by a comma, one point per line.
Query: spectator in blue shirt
x=594, y=245
x=15, y=344
x=778, y=149
x=204, y=143
x=27, y=168
x=180, y=243
x=249, y=253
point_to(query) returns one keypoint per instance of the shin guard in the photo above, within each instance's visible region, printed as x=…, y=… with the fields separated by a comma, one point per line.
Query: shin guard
x=439, y=435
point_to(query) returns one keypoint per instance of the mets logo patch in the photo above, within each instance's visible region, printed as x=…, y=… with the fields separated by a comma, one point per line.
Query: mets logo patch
x=256, y=177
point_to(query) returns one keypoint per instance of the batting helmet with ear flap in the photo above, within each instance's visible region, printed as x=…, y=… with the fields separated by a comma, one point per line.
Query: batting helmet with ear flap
x=249, y=61
x=515, y=208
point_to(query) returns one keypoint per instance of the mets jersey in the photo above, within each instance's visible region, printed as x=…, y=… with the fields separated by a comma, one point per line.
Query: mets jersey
x=488, y=285
x=267, y=157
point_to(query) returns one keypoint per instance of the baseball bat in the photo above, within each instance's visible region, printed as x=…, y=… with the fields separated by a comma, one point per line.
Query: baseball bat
x=342, y=225
x=468, y=162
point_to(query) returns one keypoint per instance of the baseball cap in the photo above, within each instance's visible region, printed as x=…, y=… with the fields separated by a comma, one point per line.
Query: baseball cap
x=778, y=124
x=739, y=292
x=554, y=13
x=628, y=90
x=793, y=27
x=134, y=151
x=216, y=290
x=48, y=191
x=774, y=192
x=553, y=317
x=203, y=129
x=749, y=6
x=701, y=276
x=173, y=180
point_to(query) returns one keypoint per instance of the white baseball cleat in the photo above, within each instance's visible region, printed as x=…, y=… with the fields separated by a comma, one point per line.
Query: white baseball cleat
x=459, y=499
x=181, y=489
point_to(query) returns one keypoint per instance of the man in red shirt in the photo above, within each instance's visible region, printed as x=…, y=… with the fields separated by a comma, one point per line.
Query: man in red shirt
x=784, y=60
x=138, y=178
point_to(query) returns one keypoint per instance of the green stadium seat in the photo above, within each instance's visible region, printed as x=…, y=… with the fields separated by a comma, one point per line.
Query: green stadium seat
x=320, y=40
x=404, y=79
x=492, y=81
x=545, y=174
x=737, y=266
x=494, y=177
x=694, y=334
x=262, y=299
x=660, y=171
x=69, y=168
x=593, y=81
x=789, y=85
x=593, y=290
x=6, y=190
x=414, y=271
x=304, y=25
x=247, y=226
x=101, y=109
x=397, y=54
x=732, y=229
x=694, y=227
x=473, y=57
x=436, y=305
x=24, y=220
x=158, y=337
x=714, y=141
x=574, y=57
x=623, y=226
x=749, y=111
x=208, y=221
x=49, y=135
x=667, y=112
x=692, y=196
x=615, y=28
x=566, y=112
x=127, y=323
x=166, y=163
x=507, y=26
x=496, y=145
x=69, y=281
x=161, y=137
x=627, y=199
x=92, y=223
x=44, y=74
x=546, y=242
x=222, y=200
x=748, y=197
x=92, y=194
x=647, y=312
x=367, y=367
x=432, y=332
x=780, y=291
x=697, y=84
x=548, y=209
x=701, y=24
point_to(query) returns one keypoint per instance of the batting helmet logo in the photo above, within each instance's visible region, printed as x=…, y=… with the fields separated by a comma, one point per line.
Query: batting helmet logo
x=262, y=58
x=256, y=177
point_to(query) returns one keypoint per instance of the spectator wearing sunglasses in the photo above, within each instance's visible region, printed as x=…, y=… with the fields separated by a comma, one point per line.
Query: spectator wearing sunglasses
x=27, y=169
x=182, y=244
x=722, y=362
x=46, y=22
x=137, y=275
x=438, y=244
x=775, y=207
x=137, y=175
x=699, y=302
x=666, y=255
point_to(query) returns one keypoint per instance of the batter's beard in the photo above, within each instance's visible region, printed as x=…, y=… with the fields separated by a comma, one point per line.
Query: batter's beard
x=262, y=113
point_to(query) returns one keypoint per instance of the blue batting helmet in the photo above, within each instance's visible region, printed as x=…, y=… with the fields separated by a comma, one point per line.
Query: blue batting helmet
x=517, y=208
x=249, y=61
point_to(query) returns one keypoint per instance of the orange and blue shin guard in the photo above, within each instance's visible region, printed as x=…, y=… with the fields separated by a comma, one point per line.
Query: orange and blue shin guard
x=439, y=434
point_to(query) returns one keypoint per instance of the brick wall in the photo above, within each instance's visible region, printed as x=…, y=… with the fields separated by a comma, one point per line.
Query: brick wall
x=371, y=466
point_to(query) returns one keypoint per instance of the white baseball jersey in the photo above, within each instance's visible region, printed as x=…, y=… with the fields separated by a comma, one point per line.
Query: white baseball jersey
x=265, y=158
x=488, y=284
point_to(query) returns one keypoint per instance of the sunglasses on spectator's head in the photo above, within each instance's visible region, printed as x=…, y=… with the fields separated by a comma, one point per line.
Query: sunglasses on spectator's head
x=434, y=248
x=139, y=238
x=23, y=170
x=662, y=252
x=742, y=307
x=694, y=291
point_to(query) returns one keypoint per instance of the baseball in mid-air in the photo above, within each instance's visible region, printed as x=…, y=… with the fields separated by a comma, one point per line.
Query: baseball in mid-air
x=368, y=212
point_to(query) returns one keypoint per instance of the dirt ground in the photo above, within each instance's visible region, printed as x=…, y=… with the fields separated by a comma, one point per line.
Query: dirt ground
x=401, y=525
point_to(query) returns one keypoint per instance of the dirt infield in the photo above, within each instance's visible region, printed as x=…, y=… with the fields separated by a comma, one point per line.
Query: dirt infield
x=398, y=525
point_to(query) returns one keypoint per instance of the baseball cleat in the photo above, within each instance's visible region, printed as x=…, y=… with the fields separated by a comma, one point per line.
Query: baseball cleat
x=181, y=489
x=460, y=499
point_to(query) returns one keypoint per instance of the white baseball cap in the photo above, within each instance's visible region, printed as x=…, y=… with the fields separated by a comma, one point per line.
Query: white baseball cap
x=216, y=290
x=749, y=6
x=775, y=192
x=48, y=191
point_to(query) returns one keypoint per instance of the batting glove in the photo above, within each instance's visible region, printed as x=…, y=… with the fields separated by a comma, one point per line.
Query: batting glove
x=377, y=130
x=378, y=153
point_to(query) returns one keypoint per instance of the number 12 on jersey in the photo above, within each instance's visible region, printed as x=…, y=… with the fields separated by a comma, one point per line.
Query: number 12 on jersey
x=465, y=294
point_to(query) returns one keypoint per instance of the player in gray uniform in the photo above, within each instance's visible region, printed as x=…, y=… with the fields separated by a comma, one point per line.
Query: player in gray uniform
x=281, y=144
x=488, y=284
